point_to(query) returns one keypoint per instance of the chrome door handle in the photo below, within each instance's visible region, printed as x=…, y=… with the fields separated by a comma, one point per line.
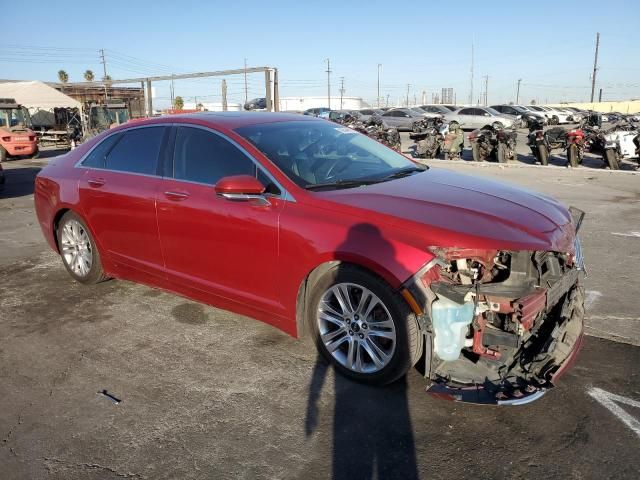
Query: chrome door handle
x=96, y=182
x=176, y=196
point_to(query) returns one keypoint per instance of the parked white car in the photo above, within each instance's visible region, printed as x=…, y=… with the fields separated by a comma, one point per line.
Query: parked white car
x=471, y=118
x=554, y=117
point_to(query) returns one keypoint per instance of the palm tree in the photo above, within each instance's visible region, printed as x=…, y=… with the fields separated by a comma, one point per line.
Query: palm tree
x=88, y=76
x=106, y=78
x=63, y=76
x=178, y=103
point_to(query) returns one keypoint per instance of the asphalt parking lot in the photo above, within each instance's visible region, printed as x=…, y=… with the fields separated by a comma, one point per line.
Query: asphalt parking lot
x=208, y=394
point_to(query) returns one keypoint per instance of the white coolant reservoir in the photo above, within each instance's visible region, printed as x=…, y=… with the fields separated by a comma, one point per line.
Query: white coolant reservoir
x=450, y=321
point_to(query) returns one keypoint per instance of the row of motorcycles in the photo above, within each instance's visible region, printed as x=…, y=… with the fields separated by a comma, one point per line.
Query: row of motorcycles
x=373, y=128
x=436, y=138
x=614, y=143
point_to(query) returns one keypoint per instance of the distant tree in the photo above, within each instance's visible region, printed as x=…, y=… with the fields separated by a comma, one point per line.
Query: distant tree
x=88, y=76
x=106, y=78
x=178, y=103
x=199, y=106
x=63, y=76
x=533, y=102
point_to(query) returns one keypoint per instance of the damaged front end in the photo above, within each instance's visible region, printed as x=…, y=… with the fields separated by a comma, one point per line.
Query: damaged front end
x=500, y=326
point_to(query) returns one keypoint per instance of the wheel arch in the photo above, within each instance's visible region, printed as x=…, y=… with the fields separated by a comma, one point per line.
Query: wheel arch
x=312, y=277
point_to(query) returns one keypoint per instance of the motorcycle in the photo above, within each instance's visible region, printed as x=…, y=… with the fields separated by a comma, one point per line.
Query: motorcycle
x=493, y=143
x=429, y=138
x=375, y=129
x=614, y=144
x=542, y=143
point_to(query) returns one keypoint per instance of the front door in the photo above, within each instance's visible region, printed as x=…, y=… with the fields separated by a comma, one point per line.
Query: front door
x=228, y=248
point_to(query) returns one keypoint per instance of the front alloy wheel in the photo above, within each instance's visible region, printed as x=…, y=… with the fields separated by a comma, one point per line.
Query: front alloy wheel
x=362, y=326
x=356, y=328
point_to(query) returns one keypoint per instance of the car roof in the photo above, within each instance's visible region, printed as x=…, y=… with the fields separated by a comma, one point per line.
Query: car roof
x=224, y=120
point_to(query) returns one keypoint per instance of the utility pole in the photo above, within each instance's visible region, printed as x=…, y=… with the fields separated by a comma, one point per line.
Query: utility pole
x=486, y=90
x=379, y=65
x=518, y=92
x=246, y=95
x=387, y=104
x=471, y=90
x=341, y=90
x=600, y=96
x=408, y=86
x=595, y=67
x=104, y=69
x=328, y=84
x=224, y=95
x=424, y=97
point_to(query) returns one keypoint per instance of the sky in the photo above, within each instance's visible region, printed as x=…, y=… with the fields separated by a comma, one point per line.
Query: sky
x=424, y=44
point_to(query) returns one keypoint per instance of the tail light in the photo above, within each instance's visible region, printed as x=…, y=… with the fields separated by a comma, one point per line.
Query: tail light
x=6, y=139
x=32, y=138
x=539, y=135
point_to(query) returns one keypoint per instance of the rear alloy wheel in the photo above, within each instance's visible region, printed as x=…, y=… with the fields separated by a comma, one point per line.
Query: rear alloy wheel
x=364, y=328
x=610, y=157
x=497, y=126
x=78, y=250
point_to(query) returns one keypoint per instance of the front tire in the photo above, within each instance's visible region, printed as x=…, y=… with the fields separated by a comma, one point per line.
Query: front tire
x=502, y=153
x=78, y=250
x=611, y=159
x=475, y=152
x=572, y=155
x=362, y=326
x=543, y=154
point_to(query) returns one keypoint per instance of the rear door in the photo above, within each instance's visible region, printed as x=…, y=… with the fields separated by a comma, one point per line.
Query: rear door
x=467, y=118
x=117, y=194
x=224, y=247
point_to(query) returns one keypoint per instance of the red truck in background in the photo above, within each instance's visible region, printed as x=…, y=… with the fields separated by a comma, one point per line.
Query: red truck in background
x=16, y=136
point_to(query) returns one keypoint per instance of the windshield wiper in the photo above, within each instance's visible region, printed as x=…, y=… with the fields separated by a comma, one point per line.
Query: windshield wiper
x=403, y=173
x=343, y=183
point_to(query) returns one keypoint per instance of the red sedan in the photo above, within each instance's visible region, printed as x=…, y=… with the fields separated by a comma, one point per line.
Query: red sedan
x=321, y=231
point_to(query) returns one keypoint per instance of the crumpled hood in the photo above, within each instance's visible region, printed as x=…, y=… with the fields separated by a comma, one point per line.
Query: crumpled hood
x=456, y=210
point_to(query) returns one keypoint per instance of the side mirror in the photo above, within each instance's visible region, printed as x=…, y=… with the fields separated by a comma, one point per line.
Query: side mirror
x=242, y=188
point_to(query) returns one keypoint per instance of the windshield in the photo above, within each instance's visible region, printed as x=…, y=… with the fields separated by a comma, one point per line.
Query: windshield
x=315, y=153
x=118, y=115
x=13, y=117
x=537, y=109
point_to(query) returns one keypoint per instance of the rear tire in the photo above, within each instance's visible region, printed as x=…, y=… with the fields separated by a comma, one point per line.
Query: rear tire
x=543, y=154
x=79, y=251
x=3, y=154
x=36, y=154
x=610, y=157
x=346, y=331
x=572, y=155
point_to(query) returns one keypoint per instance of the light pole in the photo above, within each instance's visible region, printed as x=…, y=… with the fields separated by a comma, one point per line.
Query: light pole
x=379, y=65
x=328, y=83
x=518, y=92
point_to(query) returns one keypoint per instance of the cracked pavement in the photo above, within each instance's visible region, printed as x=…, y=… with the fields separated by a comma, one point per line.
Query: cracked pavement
x=210, y=394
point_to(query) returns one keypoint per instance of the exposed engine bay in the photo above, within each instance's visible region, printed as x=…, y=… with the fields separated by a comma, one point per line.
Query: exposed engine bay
x=503, y=324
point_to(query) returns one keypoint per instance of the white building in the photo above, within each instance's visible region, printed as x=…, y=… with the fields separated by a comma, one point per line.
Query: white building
x=214, y=106
x=303, y=103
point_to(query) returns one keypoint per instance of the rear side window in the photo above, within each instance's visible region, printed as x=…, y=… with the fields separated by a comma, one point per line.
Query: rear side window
x=96, y=158
x=467, y=111
x=137, y=151
x=204, y=157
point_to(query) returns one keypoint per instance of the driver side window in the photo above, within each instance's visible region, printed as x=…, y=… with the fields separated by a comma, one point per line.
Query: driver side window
x=204, y=157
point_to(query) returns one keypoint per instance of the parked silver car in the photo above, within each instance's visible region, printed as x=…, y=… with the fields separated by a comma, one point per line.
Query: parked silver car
x=471, y=118
x=441, y=109
x=367, y=113
x=525, y=116
x=401, y=118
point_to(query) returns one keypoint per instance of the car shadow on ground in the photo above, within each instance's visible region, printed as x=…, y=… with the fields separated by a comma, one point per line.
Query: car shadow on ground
x=19, y=182
x=372, y=431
